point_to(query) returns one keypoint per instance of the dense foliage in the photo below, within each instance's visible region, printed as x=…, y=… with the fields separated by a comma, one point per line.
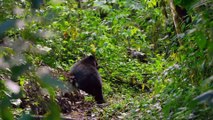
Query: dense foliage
x=57, y=33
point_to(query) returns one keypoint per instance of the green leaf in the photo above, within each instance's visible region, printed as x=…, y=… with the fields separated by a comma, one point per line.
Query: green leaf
x=201, y=41
x=54, y=113
x=19, y=70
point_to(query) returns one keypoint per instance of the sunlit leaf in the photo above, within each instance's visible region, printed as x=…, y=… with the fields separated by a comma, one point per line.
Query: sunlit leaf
x=93, y=48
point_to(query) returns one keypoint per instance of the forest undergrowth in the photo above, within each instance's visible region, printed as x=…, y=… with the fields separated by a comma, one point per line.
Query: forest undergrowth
x=155, y=58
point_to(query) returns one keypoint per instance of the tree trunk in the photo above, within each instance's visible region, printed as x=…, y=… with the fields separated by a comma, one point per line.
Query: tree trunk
x=175, y=17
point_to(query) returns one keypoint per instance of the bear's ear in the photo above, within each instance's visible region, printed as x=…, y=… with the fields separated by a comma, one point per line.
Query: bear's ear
x=89, y=60
x=92, y=57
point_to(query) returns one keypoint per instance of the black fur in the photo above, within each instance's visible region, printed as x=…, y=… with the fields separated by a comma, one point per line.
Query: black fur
x=87, y=77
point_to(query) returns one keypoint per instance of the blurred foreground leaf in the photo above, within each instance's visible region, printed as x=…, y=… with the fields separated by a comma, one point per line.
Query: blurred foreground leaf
x=5, y=111
x=6, y=26
x=35, y=4
x=26, y=117
x=206, y=97
x=18, y=70
x=49, y=80
x=54, y=113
